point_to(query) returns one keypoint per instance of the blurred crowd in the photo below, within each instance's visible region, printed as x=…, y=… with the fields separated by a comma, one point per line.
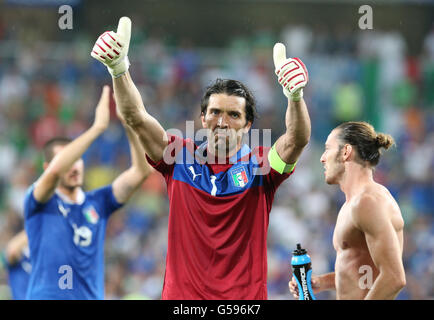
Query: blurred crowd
x=50, y=89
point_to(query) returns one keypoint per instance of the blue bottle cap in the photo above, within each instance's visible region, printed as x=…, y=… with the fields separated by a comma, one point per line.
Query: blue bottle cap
x=299, y=251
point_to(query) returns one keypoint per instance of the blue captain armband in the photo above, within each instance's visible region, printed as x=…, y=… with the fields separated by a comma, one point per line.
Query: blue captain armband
x=277, y=163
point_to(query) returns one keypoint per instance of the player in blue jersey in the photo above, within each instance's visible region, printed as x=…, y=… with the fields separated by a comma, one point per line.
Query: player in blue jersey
x=65, y=225
x=17, y=262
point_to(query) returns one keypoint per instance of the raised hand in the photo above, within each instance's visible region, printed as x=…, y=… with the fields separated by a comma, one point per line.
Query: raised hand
x=111, y=48
x=291, y=73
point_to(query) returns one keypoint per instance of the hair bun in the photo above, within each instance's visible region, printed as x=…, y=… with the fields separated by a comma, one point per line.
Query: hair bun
x=384, y=141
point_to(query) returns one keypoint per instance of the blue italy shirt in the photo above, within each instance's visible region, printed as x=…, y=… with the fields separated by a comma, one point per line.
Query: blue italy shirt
x=66, y=242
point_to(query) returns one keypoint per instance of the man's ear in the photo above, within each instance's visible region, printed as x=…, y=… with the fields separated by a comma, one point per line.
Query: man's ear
x=247, y=127
x=45, y=165
x=202, y=119
x=347, y=152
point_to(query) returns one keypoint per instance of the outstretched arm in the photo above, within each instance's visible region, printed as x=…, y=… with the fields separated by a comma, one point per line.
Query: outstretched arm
x=129, y=181
x=293, y=77
x=371, y=217
x=62, y=162
x=111, y=49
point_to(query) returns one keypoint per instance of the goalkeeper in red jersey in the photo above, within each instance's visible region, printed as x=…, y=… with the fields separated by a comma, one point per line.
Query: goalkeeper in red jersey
x=219, y=201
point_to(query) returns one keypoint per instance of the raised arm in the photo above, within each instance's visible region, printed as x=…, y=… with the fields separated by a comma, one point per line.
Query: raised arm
x=130, y=180
x=62, y=162
x=293, y=77
x=111, y=49
x=372, y=218
x=290, y=145
x=151, y=134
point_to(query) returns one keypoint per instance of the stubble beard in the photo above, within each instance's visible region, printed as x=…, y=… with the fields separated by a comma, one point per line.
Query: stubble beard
x=223, y=146
x=70, y=186
x=337, y=172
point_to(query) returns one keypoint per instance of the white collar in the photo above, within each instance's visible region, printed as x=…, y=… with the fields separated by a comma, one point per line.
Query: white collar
x=80, y=197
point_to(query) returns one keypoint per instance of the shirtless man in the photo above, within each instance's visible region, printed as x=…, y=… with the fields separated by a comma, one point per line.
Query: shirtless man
x=368, y=236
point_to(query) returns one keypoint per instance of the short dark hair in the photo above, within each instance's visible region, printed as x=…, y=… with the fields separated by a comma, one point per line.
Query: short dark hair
x=48, y=147
x=231, y=88
x=368, y=143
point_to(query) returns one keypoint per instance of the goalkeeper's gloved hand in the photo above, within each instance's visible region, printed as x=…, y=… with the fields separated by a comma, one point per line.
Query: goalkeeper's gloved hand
x=112, y=48
x=291, y=73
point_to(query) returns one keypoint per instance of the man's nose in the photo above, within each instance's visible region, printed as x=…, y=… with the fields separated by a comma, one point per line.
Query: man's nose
x=76, y=166
x=73, y=170
x=222, y=122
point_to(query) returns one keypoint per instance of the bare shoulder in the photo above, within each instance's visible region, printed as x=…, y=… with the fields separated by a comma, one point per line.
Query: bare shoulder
x=376, y=206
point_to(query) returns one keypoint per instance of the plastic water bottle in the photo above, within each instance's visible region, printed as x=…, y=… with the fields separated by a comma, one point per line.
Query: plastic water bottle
x=302, y=271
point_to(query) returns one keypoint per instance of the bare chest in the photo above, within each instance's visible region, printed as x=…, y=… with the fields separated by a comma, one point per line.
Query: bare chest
x=346, y=235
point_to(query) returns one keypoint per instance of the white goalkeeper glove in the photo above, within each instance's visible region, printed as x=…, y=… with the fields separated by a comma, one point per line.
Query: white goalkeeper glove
x=111, y=48
x=291, y=73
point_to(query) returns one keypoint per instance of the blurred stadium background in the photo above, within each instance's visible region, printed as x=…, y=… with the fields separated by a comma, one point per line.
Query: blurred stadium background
x=49, y=86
